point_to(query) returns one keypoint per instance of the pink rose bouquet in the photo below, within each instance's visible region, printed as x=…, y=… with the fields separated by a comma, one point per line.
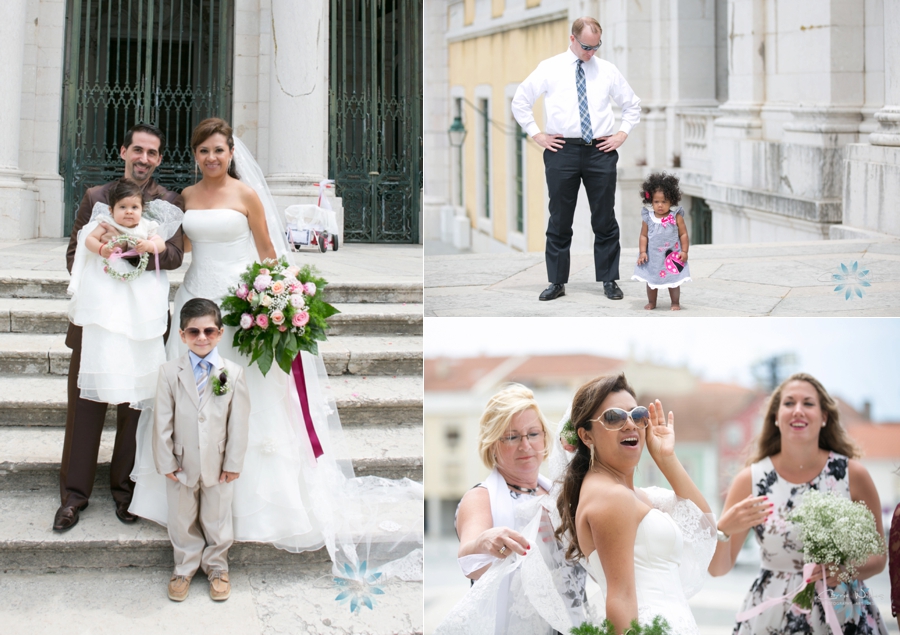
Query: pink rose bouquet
x=278, y=311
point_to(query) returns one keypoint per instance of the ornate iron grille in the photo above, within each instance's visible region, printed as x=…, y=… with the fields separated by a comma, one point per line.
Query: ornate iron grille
x=165, y=62
x=375, y=154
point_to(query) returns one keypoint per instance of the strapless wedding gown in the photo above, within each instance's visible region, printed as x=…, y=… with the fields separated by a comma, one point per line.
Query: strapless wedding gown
x=673, y=546
x=283, y=494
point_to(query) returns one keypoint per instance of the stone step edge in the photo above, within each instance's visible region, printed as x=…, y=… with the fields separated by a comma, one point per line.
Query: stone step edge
x=412, y=290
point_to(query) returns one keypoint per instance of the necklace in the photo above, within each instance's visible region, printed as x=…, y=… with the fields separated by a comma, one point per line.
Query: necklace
x=524, y=490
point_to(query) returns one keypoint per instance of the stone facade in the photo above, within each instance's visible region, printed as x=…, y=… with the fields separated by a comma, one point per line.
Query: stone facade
x=271, y=84
x=781, y=117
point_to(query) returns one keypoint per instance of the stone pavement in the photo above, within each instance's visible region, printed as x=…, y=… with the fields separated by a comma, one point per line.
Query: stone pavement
x=777, y=279
x=106, y=577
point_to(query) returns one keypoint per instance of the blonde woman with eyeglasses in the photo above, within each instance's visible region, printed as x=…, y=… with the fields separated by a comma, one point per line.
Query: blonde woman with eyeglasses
x=506, y=528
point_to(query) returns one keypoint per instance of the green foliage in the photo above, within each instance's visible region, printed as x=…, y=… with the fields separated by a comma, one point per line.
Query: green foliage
x=659, y=626
x=568, y=433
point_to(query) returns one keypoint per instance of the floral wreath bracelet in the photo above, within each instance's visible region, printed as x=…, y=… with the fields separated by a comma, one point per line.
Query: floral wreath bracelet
x=126, y=276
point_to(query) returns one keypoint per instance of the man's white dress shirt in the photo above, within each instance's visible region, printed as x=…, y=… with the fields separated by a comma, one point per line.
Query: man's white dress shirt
x=555, y=77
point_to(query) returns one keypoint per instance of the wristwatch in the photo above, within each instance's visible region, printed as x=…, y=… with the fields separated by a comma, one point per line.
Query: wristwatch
x=721, y=536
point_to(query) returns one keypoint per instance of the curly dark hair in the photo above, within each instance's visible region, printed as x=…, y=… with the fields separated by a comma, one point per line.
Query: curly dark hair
x=661, y=182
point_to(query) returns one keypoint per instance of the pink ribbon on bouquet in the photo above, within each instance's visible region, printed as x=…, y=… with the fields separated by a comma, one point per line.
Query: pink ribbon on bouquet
x=668, y=220
x=300, y=383
x=118, y=253
x=822, y=591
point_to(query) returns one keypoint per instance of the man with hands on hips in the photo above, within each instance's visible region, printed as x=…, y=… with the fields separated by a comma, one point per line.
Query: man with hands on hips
x=579, y=147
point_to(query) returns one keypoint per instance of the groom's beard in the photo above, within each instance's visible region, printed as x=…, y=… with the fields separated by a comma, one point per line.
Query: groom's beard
x=141, y=171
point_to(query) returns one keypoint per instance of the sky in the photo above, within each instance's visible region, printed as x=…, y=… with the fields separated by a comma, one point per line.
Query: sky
x=857, y=359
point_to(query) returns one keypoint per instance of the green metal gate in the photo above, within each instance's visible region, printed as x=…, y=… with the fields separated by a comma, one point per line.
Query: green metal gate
x=375, y=153
x=701, y=227
x=164, y=62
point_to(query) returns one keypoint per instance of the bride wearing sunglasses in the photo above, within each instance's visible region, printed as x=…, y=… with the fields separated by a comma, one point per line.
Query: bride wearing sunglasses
x=647, y=548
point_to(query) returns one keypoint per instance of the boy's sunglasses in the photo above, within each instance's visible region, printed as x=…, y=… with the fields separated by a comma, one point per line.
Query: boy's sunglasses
x=586, y=47
x=615, y=418
x=194, y=333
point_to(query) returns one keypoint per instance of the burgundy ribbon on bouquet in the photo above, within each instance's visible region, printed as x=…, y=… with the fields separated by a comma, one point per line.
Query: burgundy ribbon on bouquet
x=118, y=253
x=300, y=382
x=821, y=590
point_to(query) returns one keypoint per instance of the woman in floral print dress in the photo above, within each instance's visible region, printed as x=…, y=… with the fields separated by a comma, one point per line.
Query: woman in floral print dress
x=802, y=446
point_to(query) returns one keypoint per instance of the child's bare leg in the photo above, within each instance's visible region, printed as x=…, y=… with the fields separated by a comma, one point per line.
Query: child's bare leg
x=675, y=296
x=651, y=298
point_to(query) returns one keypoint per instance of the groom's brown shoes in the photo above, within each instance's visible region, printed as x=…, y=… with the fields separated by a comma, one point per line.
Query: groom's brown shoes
x=124, y=515
x=179, y=586
x=66, y=517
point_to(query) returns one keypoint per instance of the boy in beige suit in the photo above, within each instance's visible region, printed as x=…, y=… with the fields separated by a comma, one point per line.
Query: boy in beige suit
x=200, y=429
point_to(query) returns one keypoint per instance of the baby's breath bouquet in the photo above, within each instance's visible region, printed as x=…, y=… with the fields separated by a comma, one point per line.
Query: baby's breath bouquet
x=837, y=532
x=659, y=627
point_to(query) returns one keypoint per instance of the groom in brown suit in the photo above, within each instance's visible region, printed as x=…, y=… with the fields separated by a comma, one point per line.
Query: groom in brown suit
x=142, y=152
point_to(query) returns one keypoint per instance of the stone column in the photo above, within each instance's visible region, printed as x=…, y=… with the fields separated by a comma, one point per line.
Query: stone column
x=298, y=100
x=16, y=203
x=888, y=117
x=872, y=172
x=437, y=120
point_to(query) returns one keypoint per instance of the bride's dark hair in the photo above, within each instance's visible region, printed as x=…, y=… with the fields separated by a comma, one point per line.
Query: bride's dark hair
x=584, y=405
x=207, y=128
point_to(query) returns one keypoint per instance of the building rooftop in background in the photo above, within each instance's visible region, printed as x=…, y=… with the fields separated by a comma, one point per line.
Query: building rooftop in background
x=445, y=374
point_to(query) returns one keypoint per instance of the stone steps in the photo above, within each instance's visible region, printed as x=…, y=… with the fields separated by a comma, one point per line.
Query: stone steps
x=43, y=354
x=30, y=456
x=53, y=284
x=99, y=540
x=40, y=400
x=47, y=316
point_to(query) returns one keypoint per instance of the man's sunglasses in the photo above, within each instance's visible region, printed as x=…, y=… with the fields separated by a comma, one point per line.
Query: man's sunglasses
x=586, y=47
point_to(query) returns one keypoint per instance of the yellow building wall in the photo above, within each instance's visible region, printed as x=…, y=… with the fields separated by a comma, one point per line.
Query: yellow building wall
x=499, y=60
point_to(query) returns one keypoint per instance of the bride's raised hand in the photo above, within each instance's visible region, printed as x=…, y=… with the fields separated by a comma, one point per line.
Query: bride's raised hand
x=660, y=433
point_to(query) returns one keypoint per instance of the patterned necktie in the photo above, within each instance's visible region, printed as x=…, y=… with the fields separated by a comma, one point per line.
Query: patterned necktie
x=587, y=132
x=204, y=377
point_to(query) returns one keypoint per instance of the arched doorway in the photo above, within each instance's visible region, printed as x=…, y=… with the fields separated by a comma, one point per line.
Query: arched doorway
x=165, y=62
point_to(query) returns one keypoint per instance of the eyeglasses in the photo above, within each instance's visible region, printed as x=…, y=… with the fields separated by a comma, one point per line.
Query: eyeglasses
x=534, y=438
x=193, y=333
x=615, y=418
x=586, y=47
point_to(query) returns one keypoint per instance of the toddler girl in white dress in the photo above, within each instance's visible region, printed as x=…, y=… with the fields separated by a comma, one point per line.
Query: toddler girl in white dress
x=122, y=310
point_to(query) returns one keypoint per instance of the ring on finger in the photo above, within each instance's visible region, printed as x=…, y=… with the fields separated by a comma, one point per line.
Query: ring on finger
x=502, y=550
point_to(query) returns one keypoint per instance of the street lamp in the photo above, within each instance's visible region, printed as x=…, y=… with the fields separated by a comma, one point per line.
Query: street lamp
x=457, y=134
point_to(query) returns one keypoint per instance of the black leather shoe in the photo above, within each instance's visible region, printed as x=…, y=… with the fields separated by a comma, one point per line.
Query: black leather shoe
x=553, y=291
x=612, y=290
x=66, y=517
x=124, y=515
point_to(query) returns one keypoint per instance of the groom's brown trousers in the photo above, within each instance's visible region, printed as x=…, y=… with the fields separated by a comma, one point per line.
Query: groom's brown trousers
x=84, y=425
x=85, y=418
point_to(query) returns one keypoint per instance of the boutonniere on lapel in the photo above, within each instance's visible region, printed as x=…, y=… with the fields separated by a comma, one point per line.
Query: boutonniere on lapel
x=220, y=384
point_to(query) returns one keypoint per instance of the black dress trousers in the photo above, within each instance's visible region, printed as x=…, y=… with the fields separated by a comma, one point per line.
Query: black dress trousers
x=565, y=170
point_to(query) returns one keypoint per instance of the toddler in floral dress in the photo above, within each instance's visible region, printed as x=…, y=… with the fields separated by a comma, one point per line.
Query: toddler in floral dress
x=662, y=262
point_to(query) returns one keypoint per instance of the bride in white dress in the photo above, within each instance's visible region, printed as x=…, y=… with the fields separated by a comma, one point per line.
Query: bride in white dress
x=285, y=496
x=648, y=549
